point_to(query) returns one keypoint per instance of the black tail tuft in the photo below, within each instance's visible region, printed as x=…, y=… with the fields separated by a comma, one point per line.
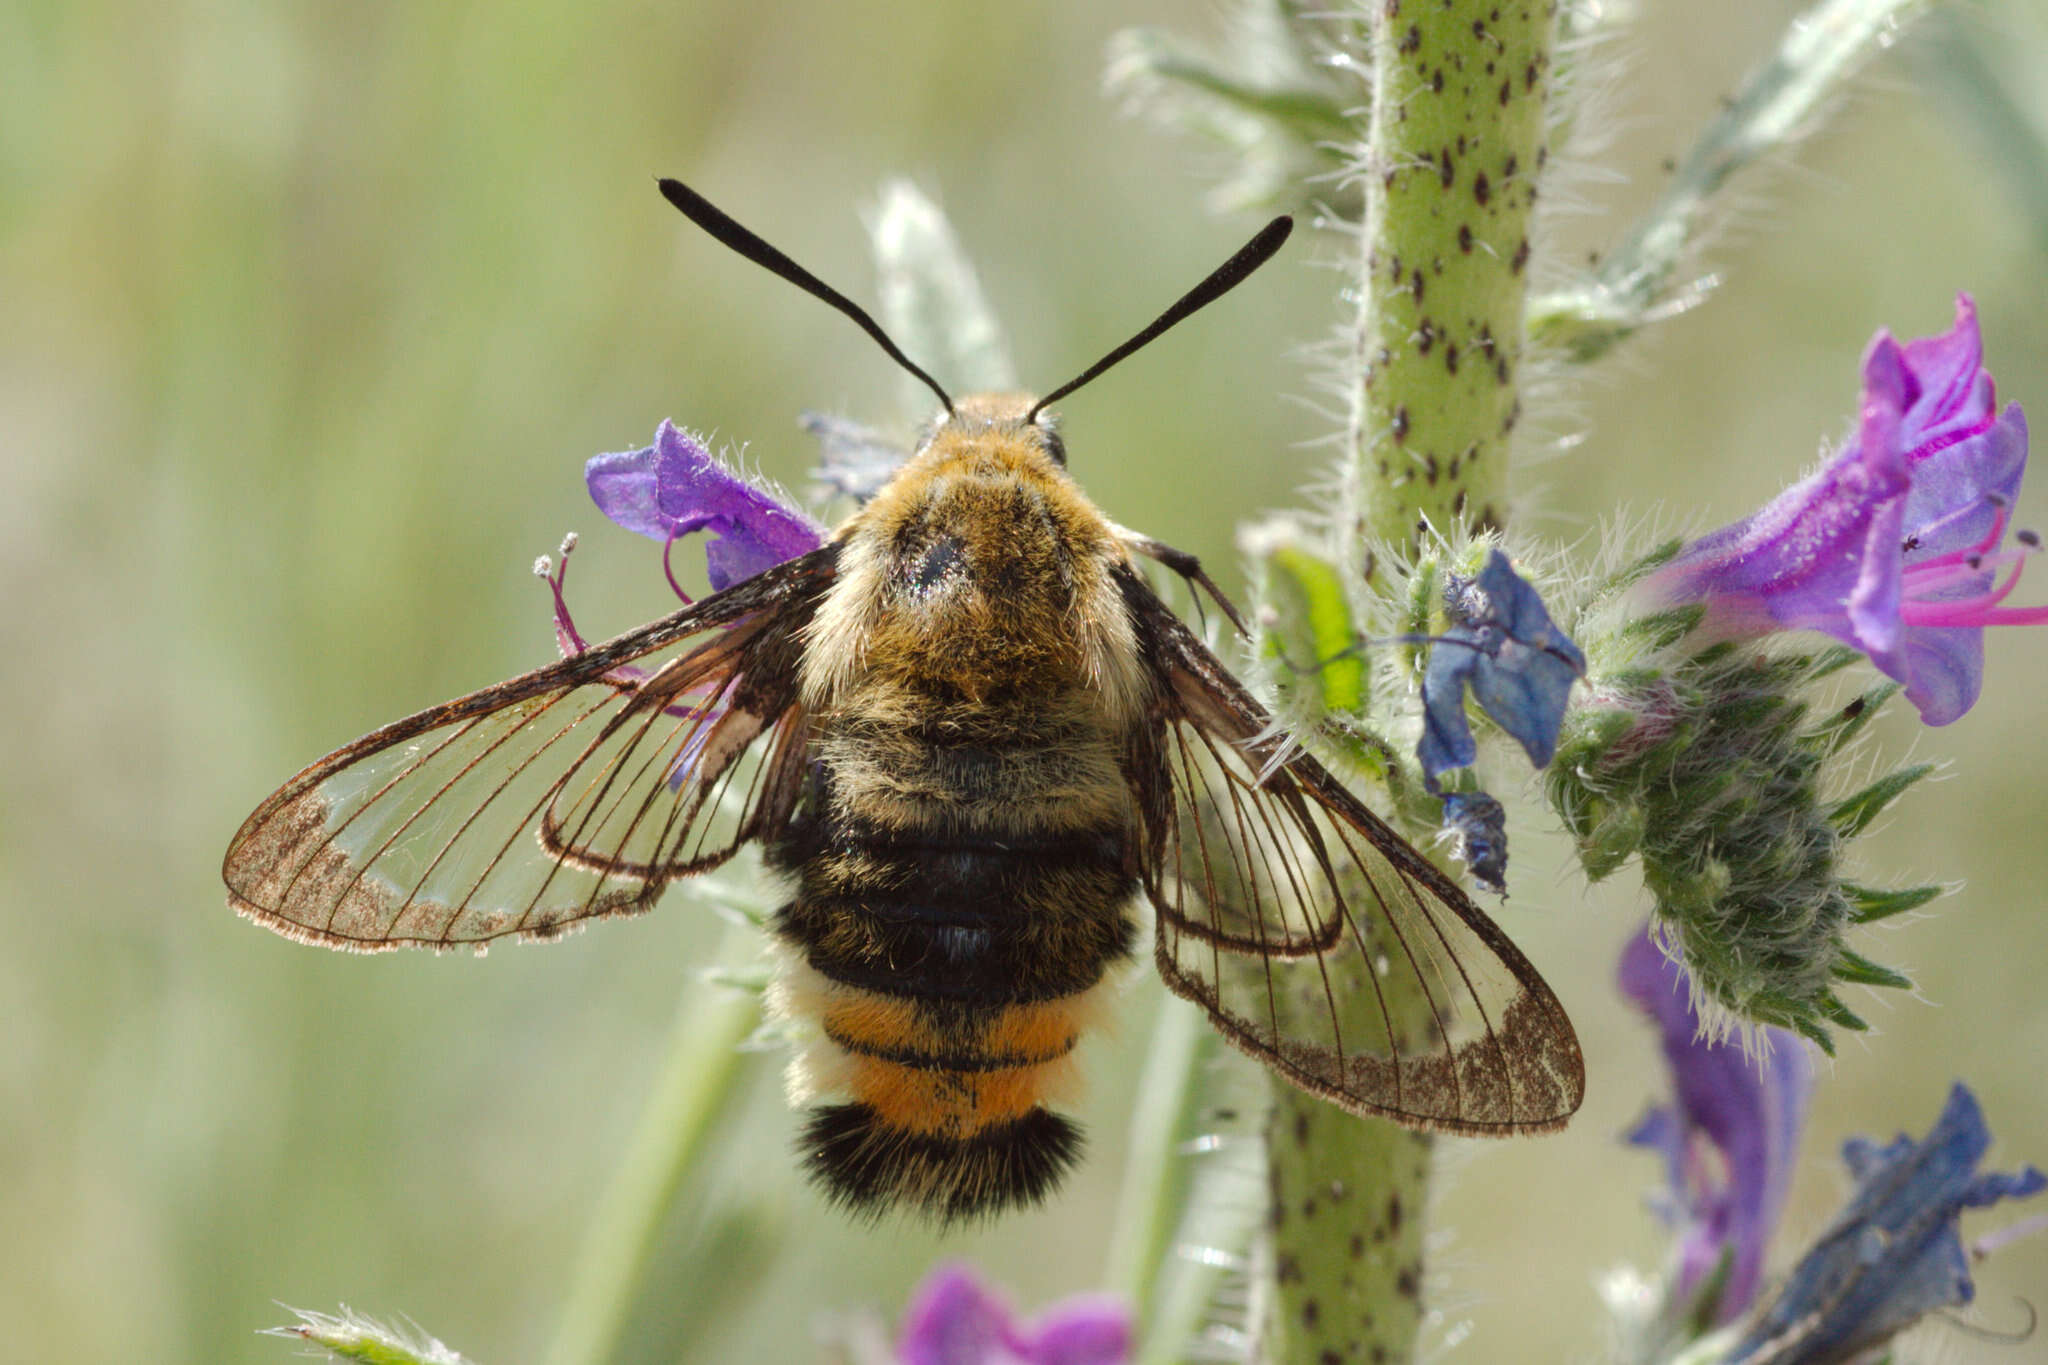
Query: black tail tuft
x=870, y=1167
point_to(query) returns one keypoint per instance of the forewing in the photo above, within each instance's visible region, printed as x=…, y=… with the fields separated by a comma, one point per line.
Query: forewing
x=1317, y=938
x=573, y=792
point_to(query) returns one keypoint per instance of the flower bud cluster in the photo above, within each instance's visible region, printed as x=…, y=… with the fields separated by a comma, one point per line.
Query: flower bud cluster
x=1712, y=763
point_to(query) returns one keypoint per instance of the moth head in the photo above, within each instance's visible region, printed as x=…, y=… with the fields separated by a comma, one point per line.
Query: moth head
x=1018, y=418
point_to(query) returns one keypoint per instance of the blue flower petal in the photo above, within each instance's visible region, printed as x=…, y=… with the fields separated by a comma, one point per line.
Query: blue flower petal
x=1519, y=665
x=1894, y=1254
x=1478, y=824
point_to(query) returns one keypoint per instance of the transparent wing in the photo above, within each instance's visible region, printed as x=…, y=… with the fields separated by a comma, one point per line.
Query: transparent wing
x=573, y=792
x=1318, y=939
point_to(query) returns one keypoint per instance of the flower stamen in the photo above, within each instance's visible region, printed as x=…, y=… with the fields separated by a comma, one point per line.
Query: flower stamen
x=1982, y=609
x=567, y=638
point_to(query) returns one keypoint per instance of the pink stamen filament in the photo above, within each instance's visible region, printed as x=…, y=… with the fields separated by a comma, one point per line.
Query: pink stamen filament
x=668, y=570
x=1982, y=610
x=566, y=637
x=1919, y=583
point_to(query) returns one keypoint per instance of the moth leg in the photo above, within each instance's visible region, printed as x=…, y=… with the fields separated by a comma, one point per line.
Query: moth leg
x=1187, y=566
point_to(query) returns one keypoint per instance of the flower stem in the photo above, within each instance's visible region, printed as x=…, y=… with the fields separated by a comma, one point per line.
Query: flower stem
x=1453, y=147
x=702, y=1061
x=1347, y=1223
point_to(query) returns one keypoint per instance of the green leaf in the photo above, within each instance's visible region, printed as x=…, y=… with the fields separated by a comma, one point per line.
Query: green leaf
x=1835, y=1012
x=1661, y=630
x=748, y=980
x=1647, y=275
x=1834, y=734
x=1860, y=970
x=1852, y=815
x=1313, y=635
x=931, y=301
x=1811, y=1030
x=1832, y=661
x=1873, y=904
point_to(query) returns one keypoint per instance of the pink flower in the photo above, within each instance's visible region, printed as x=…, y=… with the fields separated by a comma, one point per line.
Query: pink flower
x=1894, y=546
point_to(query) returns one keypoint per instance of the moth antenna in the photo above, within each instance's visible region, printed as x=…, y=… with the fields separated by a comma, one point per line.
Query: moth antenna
x=715, y=221
x=1221, y=281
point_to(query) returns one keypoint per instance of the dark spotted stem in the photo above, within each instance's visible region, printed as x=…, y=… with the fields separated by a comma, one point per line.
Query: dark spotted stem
x=1451, y=154
x=1451, y=160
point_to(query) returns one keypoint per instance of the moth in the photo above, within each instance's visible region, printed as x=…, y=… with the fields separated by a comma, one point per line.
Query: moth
x=973, y=742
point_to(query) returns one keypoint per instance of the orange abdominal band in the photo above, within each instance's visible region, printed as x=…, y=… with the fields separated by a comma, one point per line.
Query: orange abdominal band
x=946, y=1082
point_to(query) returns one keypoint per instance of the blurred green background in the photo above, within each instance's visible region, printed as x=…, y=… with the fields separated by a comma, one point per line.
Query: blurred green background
x=317, y=311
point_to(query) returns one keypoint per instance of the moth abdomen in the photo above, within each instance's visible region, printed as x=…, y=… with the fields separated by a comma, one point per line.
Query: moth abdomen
x=948, y=1113
x=870, y=1166
x=957, y=908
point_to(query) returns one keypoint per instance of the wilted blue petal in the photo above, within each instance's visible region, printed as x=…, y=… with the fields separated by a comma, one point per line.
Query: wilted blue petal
x=853, y=459
x=1894, y=1255
x=955, y=1320
x=1519, y=665
x=1729, y=1139
x=1893, y=546
x=1477, y=825
x=676, y=487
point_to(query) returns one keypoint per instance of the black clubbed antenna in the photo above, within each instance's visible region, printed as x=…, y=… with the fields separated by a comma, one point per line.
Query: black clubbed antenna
x=1221, y=281
x=713, y=220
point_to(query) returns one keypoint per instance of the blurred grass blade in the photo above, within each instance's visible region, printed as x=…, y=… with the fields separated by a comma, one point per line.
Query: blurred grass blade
x=1640, y=281
x=703, y=1058
x=931, y=301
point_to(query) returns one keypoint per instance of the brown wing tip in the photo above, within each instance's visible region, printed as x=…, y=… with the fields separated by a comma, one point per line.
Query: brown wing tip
x=545, y=933
x=1475, y=1091
x=300, y=933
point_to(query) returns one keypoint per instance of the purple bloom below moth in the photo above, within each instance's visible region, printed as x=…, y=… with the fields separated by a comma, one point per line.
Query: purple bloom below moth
x=1519, y=665
x=1893, y=546
x=1894, y=1254
x=675, y=487
x=1729, y=1140
x=954, y=1320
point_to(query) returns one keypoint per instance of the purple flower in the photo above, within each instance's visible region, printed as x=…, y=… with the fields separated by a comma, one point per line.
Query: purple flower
x=1729, y=1139
x=1894, y=545
x=675, y=487
x=1894, y=1254
x=954, y=1320
x=667, y=491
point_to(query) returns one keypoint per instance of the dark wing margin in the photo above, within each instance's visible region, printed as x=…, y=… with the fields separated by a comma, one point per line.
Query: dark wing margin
x=575, y=792
x=1318, y=939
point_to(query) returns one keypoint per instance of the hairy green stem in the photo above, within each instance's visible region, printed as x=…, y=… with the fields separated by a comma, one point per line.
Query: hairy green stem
x=1452, y=151
x=697, y=1074
x=1452, y=155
